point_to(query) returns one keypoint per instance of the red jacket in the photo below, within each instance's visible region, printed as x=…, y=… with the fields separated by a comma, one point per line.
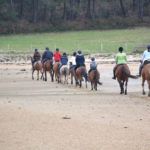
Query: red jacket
x=57, y=56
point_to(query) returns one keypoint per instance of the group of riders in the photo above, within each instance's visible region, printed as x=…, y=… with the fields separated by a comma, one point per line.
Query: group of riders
x=78, y=59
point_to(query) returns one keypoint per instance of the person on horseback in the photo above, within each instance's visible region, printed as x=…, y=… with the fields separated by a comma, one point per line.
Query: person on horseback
x=73, y=61
x=121, y=58
x=93, y=65
x=57, y=55
x=36, y=56
x=145, y=59
x=47, y=55
x=80, y=60
x=64, y=60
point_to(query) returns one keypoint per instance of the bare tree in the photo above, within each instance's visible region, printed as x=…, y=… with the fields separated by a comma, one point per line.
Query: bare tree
x=122, y=8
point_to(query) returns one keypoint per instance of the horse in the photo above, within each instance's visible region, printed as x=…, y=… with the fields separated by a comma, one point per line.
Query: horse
x=56, y=70
x=146, y=77
x=48, y=66
x=94, y=77
x=72, y=73
x=122, y=74
x=38, y=67
x=64, y=71
x=80, y=73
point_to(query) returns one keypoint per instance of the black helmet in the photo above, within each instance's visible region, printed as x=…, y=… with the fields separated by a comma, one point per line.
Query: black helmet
x=74, y=53
x=47, y=48
x=79, y=52
x=36, y=50
x=92, y=58
x=148, y=47
x=120, y=49
x=64, y=54
x=57, y=49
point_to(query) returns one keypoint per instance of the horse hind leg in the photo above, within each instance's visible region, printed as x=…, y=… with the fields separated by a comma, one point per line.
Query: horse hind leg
x=149, y=88
x=143, y=90
x=91, y=85
x=126, y=84
x=121, y=87
x=80, y=83
x=95, y=85
x=45, y=76
x=33, y=74
x=38, y=75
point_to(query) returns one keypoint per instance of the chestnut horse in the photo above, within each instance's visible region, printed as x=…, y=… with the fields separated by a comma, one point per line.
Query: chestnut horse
x=122, y=74
x=56, y=70
x=94, y=77
x=48, y=66
x=64, y=72
x=146, y=76
x=38, y=67
x=80, y=73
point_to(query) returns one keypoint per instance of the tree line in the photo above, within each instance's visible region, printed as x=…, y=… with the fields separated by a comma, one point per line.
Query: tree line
x=49, y=15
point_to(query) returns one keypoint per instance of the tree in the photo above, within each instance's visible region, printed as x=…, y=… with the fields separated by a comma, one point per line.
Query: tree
x=122, y=8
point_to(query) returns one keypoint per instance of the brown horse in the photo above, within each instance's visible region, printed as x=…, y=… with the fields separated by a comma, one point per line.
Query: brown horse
x=38, y=67
x=122, y=74
x=48, y=66
x=64, y=72
x=56, y=70
x=72, y=73
x=80, y=73
x=146, y=76
x=94, y=77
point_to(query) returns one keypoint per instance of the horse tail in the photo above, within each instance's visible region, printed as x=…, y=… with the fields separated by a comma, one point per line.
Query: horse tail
x=127, y=73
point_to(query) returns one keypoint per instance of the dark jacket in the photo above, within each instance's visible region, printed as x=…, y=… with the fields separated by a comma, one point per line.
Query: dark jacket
x=36, y=56
x=47, y=55
x=64, y=60
x=80, y=60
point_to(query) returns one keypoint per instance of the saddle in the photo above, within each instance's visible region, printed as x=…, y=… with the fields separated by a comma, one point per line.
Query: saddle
x=146, y=62
x=37, y=62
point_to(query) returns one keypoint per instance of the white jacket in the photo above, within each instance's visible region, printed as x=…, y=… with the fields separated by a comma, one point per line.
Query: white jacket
x=145, y=56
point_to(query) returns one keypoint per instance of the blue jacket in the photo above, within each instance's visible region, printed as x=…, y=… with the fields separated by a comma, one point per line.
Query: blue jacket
x=47, y=55
x=64, y=60
x=80, y=60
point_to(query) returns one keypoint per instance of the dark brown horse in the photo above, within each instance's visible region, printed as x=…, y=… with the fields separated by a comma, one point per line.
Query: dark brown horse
x=94, y=77
x=56, y=71
x=48, y=67
x=38, y=67
x=146, y=77
x=80, y=73
x=122, y=74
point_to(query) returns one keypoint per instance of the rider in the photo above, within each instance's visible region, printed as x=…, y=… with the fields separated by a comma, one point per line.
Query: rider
x=80, y=60
x=145, y=59
x=57, y=55
x=93, y=65
x=73, y=60
x=47, y=55
x=64, y=60
x=120, y=59
x=36, y=56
